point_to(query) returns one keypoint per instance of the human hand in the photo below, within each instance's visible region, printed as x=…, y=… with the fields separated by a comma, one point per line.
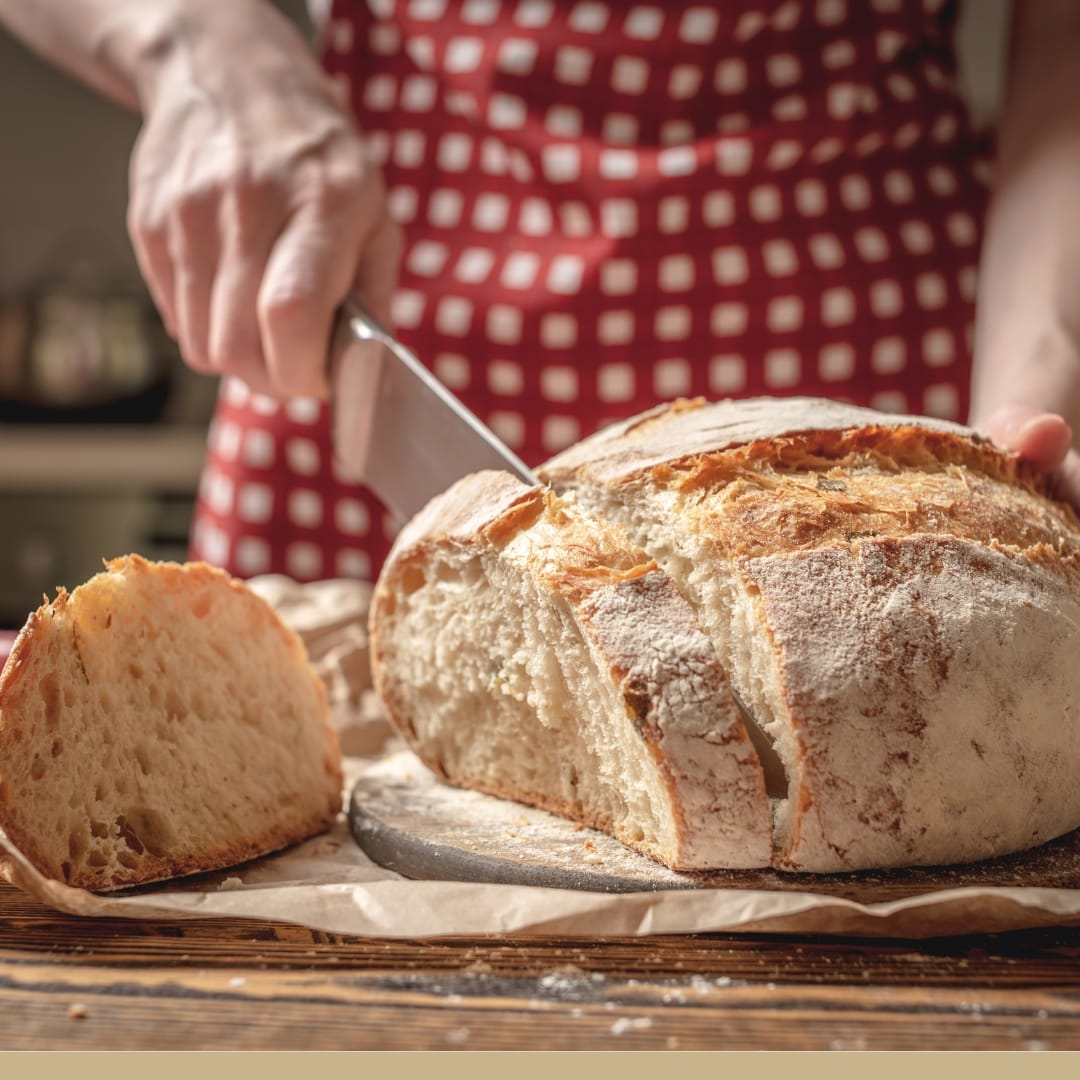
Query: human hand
x=253, y=210
x=1042, y=438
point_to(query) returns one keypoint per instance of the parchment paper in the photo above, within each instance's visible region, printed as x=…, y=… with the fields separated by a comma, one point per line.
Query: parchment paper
x=328, y=884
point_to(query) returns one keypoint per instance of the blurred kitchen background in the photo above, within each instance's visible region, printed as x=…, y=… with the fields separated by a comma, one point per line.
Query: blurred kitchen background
x=101, y=427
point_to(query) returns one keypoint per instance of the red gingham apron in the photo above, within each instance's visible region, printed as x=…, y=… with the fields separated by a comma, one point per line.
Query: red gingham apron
x=608, y=205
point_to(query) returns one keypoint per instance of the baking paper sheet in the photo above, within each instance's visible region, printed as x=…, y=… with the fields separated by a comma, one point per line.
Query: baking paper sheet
x=328, y=884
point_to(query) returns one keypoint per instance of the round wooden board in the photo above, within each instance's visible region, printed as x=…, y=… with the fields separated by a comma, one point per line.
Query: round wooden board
x=409, y=821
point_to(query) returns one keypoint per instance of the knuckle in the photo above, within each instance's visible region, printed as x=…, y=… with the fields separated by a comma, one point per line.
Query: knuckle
x=192, y=206
x=235, y=349
x=197, y=199
x=339, y=184
x=244, y=189
x=144, y=220
x=146, y=169
x=294, y=277
x=286, y=302
x=243, y=199
x=247, y=216
x=198, y=359
x=329, y=196
x=222, y=355
x=237, y=181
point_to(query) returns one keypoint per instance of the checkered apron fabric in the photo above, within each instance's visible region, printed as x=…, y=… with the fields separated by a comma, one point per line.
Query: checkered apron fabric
x=608, y=205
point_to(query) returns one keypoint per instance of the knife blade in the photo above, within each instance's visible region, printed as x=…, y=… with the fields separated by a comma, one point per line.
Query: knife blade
x=776, y=778
x=395, y=426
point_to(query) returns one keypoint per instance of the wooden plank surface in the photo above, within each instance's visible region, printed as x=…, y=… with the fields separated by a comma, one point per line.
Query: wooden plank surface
x=68, y=983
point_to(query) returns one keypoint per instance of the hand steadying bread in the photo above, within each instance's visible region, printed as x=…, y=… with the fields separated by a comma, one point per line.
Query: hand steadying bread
x=160, y=720
x=894, y=599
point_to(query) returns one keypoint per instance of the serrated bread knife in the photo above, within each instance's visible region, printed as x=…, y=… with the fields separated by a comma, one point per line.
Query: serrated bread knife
x=395, y=427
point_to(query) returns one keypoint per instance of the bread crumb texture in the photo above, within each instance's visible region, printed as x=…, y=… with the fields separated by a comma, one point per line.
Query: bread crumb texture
x=158, y=721
x=894, y=600
x=549, y=660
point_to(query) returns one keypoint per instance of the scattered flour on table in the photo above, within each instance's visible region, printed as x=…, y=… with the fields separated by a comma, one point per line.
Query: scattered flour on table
x=631, y=1023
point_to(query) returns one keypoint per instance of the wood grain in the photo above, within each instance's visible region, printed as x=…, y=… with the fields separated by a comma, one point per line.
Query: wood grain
x=113, y=984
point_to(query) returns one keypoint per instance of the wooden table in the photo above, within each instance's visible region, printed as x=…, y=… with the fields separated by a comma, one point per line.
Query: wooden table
x=69, y=983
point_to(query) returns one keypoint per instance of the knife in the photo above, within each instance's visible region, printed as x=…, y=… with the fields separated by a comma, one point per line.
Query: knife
x=395, y=427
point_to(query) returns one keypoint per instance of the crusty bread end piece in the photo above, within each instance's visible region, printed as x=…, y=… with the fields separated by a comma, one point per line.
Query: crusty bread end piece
x=158, y=721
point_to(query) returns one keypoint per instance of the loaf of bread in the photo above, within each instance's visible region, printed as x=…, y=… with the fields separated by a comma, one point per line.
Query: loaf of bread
x=894, y=600
x=160, y=720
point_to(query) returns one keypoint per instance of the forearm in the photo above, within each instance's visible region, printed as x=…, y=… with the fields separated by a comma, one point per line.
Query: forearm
x=123, y=48
x=1028, y=324
x=107, y=44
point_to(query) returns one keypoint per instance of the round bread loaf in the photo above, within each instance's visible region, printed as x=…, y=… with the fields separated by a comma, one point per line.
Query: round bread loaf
x=895, y=601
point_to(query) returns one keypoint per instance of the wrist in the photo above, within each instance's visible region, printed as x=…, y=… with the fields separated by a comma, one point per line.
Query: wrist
x=147, y=45
x=134, y=41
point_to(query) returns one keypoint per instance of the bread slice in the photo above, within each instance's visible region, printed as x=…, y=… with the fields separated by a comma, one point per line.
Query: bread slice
x=533, y=653
x=160, y=720
x=895, y=600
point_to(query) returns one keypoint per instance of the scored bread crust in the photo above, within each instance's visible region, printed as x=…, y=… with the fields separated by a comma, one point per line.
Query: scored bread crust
x=895, y=598
x=534, y=655
x=683, y=429
x=158, y=721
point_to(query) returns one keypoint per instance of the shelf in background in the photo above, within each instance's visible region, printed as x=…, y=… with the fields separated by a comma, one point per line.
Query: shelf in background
x=58, y=457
